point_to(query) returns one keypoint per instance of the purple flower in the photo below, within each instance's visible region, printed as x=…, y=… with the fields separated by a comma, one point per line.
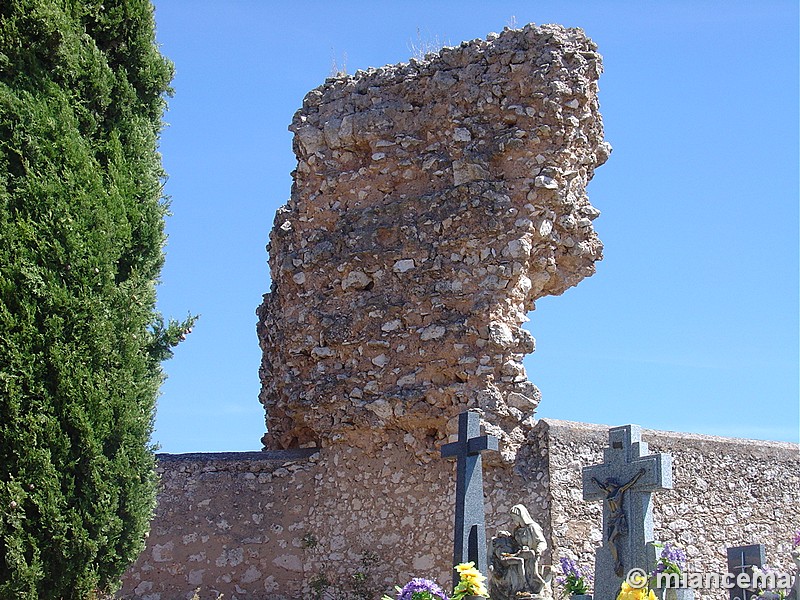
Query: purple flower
x=767, y=595
x=796, y=541
x=573, y=579
x=671, y=560
x=673, y=555
x=769, y=581
x=570, y=567
x=421, y=589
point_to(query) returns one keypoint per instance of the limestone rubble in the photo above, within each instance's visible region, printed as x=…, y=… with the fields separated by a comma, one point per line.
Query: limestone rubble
x=433, y=203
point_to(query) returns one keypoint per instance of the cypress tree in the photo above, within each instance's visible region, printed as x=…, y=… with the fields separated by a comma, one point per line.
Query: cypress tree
x=82, y=92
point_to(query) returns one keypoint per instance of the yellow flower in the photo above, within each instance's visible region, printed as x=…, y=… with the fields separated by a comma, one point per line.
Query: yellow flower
x=480, y=590
x=470, y=577
x=468, y=567
x=637, y=578
x=468, y=572
x=628, y=592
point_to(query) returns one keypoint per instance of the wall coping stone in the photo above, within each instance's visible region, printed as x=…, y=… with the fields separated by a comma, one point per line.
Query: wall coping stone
x=255, y=456
x=758, y=446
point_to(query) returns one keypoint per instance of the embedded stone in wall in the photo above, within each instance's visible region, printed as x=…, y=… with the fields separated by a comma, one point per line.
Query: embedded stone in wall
x=241, y=523
x=433, y=203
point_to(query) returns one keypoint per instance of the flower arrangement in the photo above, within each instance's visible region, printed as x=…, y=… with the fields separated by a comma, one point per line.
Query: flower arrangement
x=419, y=589
x=574, y=582
x=471, y=582
x=771, y=589
x=772, y=584
x=628, y=592
x=672, y=560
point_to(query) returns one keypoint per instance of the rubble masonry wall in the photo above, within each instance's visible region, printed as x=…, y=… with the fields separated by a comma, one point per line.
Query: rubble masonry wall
x=261, y=527
x=433, y=203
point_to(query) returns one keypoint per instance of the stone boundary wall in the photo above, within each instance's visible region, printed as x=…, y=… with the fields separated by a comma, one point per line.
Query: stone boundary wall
x=727, y=492
x=272, y=525
x=223, y=522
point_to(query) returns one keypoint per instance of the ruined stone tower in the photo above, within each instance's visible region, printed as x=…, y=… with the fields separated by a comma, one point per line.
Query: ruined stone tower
x=433, y=203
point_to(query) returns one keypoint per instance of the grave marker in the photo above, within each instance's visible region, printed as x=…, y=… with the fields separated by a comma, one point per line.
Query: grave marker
x=742, y=559
x=625, y=482
x=469, y=542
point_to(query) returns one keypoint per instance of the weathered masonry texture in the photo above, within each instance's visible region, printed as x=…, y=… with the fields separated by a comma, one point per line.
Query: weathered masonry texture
x=432, y=204
x=237, y=523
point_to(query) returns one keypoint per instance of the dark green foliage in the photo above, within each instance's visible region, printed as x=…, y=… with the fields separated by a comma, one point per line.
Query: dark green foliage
x=82, y=89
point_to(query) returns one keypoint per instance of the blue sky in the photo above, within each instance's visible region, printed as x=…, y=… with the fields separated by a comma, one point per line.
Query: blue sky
x=691, y=321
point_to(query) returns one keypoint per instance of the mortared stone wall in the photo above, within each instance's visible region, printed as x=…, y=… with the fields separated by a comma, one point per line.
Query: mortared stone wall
x=268, y=525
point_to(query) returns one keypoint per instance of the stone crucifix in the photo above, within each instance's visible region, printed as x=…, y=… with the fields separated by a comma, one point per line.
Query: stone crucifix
x=469, y=542
x=625, y=482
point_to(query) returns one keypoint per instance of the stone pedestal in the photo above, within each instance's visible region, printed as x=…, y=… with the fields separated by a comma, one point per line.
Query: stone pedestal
x=676, y=594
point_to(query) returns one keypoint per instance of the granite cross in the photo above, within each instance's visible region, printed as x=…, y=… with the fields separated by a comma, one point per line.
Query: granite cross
x=469, y=542
x=625, y=482
x=742, y=559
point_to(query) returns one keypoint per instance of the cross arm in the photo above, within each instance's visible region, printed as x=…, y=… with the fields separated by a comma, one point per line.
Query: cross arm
x=479, y=444
x=592, y=491
x=473, y=446
x=655, y=469
x=452, y=449
x=659, y=472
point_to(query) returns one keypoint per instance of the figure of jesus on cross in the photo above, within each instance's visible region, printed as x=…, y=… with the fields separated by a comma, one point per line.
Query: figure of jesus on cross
x=625, y=482
x=617, y=523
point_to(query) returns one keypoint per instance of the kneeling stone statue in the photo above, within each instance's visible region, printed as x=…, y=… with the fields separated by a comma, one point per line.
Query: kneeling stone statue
x=514, y=558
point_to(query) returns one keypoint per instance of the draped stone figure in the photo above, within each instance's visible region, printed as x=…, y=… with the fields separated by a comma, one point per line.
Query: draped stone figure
x=515, y=560
x=506, y=567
